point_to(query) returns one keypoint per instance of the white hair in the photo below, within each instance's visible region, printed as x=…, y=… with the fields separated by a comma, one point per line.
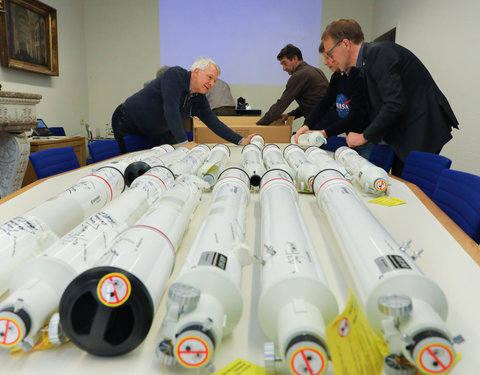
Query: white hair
x=203, y=63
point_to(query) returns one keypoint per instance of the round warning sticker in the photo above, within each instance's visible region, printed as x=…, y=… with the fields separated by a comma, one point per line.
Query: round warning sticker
x=308, y=360
x=192, y=351
x=381, y=184
x=435, y=358
x=113, y=289
x=344, y=327
x=10, y=331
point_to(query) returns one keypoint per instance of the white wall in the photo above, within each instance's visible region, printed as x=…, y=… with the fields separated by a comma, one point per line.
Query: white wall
x=64, y=101
x=123, y=52
x=262, y=97
x=444, y=35
x=361, y=11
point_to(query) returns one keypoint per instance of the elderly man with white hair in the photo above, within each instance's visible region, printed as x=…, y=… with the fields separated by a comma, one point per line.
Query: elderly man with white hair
x=158, y=109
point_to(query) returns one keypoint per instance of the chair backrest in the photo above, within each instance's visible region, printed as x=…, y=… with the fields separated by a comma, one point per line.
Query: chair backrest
x=458, y=195
x=103, y=149
x=423, y=169
x=53, y=161
x=334, y=142
x=382, y=156
x=57, y=130
x=136, y=143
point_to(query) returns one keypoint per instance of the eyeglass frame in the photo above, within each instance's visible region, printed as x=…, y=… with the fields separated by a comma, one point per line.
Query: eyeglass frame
x=329, y=52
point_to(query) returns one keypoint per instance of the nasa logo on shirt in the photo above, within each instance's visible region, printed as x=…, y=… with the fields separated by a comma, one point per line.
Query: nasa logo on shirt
x=342, y=104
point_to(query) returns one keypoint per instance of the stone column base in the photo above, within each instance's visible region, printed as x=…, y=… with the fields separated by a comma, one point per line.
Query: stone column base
x=14, y=152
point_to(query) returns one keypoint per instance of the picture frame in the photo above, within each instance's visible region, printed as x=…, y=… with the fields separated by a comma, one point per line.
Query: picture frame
x=28, y=36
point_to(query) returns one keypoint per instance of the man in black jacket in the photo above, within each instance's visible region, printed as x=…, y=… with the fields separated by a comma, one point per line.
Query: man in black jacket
x=407, y=109
x=158, y=109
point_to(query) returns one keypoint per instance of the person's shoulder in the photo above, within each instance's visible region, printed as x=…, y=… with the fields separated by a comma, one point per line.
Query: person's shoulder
x=305, y=70
x=175, y=71
x=381, y=52
x=381, y=47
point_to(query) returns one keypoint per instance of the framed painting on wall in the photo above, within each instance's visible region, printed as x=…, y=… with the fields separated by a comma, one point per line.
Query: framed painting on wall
x=28, y=36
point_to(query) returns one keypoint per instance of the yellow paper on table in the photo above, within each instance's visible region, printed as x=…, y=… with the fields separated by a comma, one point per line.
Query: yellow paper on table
x=353, y=346
x=241, y=367
x=385, y=200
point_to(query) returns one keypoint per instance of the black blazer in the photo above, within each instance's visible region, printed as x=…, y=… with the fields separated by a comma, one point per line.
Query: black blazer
x=407, y=109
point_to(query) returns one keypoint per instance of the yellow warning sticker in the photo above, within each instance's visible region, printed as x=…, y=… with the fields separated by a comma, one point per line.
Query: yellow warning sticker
x=385, y=200
x=114, y=289
x=241, y=367
x=353, y=346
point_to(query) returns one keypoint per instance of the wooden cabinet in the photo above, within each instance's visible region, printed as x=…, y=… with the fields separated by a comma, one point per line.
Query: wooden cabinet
x=78, y=144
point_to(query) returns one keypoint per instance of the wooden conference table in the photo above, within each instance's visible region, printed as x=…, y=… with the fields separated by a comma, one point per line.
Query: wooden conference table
x=450, y=259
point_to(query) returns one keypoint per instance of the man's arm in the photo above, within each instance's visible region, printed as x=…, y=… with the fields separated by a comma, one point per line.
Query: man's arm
x=292, y=90
x=172, y=92
x=383, y=71
x=205, y=114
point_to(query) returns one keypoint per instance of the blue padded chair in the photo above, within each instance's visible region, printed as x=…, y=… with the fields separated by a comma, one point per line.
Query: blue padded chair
x=57, y=130
x=423, y=169
x=334, y=142
x=382, y=156
x=103, y=149
x=52, y=161
x=137, y=143
x=458, y=195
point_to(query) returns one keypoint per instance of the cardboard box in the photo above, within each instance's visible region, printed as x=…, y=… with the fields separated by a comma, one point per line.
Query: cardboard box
x=244, y=125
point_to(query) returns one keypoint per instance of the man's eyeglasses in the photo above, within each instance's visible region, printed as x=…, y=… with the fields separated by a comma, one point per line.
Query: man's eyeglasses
x=329, y=52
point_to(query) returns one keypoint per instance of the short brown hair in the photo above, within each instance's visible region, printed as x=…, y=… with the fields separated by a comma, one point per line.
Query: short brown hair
x=321, y=48
x=289, y=51
x=344, y=29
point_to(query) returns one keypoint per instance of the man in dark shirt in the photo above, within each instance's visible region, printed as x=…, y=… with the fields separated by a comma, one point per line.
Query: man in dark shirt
x=346, y=93
x=306, y=86
x=407, y=109
x=158, y=109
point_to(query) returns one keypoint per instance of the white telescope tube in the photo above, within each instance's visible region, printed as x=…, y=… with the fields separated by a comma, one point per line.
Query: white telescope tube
x=252, y=163
x=153, y=156
x=215, y=164
x=305, y=171
x=295, y=304
x=132, y=274
x=309, y=139
x=40, y=227
x=192, y=161
x=258, y=141
x=321, y=158
x=369, y=178
x=36, y=287
x=387, y=277
x=273, y=159
x=205, y=302
x=157, y=156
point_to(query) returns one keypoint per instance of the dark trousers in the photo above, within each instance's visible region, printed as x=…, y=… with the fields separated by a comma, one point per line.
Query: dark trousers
x=123, y=125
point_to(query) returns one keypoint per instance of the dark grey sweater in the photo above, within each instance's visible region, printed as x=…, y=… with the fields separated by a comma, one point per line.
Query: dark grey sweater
x=306, y=86
x=162, y=105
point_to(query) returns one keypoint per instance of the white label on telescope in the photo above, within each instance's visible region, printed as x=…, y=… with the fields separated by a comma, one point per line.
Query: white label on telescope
x=212, y=258
x=390, y=262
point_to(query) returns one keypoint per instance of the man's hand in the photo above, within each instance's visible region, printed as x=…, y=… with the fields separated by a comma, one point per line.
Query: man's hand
x=355, y=139
x=246, y=140
x=189, y=145
x=284, y=117
x=304, y=129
